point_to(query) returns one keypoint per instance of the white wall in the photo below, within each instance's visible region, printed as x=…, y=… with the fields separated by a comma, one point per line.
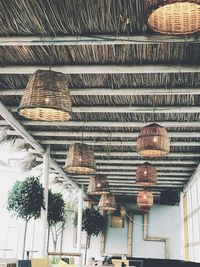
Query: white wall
x=164, y=221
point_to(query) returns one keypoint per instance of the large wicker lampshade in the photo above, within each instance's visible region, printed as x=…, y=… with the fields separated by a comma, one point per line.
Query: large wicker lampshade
x=173, y=16
x=46, y=97
x=98, y=185
x=145, y=200
x=80, y=159
x=146, y=175
x=107, y=202
x=153, y=141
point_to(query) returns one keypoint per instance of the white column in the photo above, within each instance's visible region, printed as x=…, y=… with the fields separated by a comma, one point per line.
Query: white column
x=79, y=224
x=45, y=183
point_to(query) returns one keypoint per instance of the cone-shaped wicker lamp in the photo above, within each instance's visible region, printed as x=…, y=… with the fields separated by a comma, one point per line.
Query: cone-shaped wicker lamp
x=46, y=97
x=153, y=141
x=146, y=175
x=145, y=200
x=107, y=202
x=80, y=159
x=173, y=16
x=98, y=185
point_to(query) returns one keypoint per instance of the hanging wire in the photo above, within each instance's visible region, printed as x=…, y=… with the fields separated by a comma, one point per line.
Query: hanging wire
x=51, y=58
x=109, y=146
x=154, y=99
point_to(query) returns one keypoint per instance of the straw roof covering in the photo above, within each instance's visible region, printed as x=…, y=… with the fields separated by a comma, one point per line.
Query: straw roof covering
x=112, y=126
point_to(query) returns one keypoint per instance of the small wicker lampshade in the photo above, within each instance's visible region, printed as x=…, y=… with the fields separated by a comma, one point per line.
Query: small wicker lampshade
x=80, y=159
x=145, y=200
x=153, y=141
x=146, y=175
x=46, y=97
x=107, y=202
x=173, y=16
x=98, y=185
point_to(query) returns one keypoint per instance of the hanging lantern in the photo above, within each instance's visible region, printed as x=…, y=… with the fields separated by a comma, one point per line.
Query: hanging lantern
x=98, y=185
x=153, y=141
x=46, y=97
x=146, y=175
x=145, y=200
x=107, y=202
x=80, y=159
x=173, y=16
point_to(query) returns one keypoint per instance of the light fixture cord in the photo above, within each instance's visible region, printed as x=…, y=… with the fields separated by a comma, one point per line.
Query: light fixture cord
x=109, y=147
x=154, y=99
x=51, y=58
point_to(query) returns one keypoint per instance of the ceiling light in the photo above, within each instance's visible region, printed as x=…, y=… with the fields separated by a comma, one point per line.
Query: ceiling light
x=46, y=97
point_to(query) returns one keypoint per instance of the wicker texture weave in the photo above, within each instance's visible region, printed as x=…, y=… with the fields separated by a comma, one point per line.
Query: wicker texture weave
x=145, y=200
x=173, y=16
x=46, y=97
x=80, y=159
x=98, y=185
x=146, y=175
x=153, y=141
x=107, y=202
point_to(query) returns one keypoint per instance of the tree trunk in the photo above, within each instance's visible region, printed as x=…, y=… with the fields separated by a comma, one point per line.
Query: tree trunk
x=48, y=237
x=24, y=241
x=86, y=248
x=61, y=238
x=54, y=238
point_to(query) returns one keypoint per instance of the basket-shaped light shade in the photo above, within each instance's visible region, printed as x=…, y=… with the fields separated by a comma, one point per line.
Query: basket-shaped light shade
x=146, y=175
x=80, y=159
x=46, y=97
x=98, y=185
x=153, y=141
x=173, y=16
x=145, y=200
x=107, y=202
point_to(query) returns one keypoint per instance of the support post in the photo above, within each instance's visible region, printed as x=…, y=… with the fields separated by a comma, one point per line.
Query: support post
x=79, y=225
x=45, y=182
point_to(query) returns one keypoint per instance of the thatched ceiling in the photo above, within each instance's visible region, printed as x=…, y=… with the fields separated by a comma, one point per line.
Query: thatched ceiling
x=106, y=131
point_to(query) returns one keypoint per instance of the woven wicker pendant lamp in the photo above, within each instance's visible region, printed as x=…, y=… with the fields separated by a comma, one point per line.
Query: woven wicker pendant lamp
x=146, y=175
x=98, y=185
x=173, y=16
x=46, y=97
x=145, y=200
x=80, y=159
x=107, y=202
x=153, y=141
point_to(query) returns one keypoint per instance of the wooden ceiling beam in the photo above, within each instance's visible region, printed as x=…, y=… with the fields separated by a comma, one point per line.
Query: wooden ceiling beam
x=96, y=39
x=132, y=184
x=155, y=162
x=115, y=92
x=95, y=134
x=132, y=180
x=128, y=154
x=165, y=174
x=108, y=165
x=102, y=69
x=139, y=161
x=113, y=143
x=131, y=177
x=130, y=109
x=106, y=124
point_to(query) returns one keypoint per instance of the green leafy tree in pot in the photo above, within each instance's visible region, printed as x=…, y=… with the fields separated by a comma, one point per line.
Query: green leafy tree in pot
x=25, y=200
x=56, y=215
x=92, y=223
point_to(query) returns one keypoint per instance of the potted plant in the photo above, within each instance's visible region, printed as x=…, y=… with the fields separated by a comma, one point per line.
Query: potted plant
x=56, y=216
x=25, y=200
x=92, y=223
